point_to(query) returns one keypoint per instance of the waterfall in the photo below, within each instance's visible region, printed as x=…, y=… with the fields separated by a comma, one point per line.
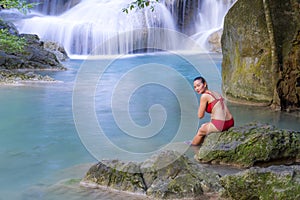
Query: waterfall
x=100, y=27
x=210, y=21
x=53, y=7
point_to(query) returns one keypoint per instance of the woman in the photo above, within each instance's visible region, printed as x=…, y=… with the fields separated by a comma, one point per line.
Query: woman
x=213, y=103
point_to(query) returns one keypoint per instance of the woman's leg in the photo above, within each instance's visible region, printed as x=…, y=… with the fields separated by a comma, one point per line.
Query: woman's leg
x=204, y=130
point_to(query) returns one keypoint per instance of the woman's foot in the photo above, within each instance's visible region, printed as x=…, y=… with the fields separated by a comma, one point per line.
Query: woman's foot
x=189, y=142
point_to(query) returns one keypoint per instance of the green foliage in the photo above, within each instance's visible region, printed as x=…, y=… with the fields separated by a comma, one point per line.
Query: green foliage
x=11, y=43
x=8, y=42
x=21, y=5
x=140, y=4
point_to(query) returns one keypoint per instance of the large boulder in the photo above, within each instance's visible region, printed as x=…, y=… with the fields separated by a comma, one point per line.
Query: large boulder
x=261, y=50
x=250, y=145
x=155, y=177
x=275, y=182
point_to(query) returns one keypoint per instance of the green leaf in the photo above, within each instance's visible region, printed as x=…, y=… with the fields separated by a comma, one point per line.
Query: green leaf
x=141, y=4
x=11, y=43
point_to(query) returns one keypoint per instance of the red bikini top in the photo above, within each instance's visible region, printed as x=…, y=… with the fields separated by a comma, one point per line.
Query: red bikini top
x=210, y=106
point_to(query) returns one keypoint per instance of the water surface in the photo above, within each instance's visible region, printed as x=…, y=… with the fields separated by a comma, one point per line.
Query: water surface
x=40, y=146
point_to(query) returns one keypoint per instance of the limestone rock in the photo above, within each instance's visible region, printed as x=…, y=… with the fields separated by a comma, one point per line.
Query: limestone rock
x=275, y=182
x=57, y=49
x=35, y=56
x=261, y=50
x=250, y=145
x=155, y=177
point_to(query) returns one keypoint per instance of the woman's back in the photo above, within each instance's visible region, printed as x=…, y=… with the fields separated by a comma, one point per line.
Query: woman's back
x=217, y=107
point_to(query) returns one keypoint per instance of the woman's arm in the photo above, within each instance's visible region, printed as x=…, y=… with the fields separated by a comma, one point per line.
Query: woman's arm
x=202, y=106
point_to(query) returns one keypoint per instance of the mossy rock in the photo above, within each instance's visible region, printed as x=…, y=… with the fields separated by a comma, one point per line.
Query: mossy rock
x=261, y=49
x=250, y=145
x=156, y=177
x=275, y=182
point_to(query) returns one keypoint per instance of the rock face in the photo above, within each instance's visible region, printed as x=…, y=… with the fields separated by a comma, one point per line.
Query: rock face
x=180, y=179
x=275, y=182
x=250, y=145
x=35, y=55
x=18, y=67
x=261, y=51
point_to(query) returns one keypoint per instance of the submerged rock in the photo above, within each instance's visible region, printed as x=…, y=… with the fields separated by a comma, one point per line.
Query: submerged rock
x=179, y=179
x=275, y=182
x=250, y=145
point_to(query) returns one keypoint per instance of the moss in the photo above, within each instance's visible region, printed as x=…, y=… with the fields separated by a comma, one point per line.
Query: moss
x=72, y=182
x=251, y=145
x=263, y=184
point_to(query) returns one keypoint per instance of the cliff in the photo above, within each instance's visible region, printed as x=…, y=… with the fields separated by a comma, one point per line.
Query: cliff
x=261, y=51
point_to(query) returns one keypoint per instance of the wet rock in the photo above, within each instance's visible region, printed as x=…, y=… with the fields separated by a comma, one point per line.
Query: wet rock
x=16, y=77
x=37, y=55
x=275, y=182
x=214, y=41
x=57, y=49
x=250, y=145
x=166, y=175
x=34, y=55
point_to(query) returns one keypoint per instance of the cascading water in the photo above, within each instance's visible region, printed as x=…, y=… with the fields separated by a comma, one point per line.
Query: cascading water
x=53, y=7
x=210, y=21
x=100, y=27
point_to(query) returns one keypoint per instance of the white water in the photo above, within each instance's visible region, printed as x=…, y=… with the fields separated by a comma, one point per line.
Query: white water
x=210, y=20
x=100, y=27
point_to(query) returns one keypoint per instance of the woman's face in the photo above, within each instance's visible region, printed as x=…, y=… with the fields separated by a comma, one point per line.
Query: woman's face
x=199, y=87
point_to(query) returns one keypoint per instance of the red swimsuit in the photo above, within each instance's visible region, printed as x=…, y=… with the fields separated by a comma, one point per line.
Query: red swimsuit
x=219, y=124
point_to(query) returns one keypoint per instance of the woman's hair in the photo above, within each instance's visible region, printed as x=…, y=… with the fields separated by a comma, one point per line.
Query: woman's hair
x=202, y=80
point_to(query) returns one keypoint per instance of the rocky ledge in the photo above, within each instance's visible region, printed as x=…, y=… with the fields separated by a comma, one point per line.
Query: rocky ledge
x=274, y=182
x=37, y=55
x=245, y=146
x=182, y=178
x=250, y=145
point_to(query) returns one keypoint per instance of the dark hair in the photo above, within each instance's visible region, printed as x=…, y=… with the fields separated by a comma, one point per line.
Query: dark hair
x=202, y=80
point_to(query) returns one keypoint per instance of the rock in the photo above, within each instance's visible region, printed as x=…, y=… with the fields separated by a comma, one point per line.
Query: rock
x=37, y=55
x=214, y=41
x=261, y=50
x=34, y=56
x=15, y=76
x=57, y=49
x=12, y=29
x=250, y=145
x=275, y=182
x=155, y=177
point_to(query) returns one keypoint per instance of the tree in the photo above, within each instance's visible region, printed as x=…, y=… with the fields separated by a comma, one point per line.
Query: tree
x=22, y=5
x=140, y=4
x=274, y=53
x=8, y=42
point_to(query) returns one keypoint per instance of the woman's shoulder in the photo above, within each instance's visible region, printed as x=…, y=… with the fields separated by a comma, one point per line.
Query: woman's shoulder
x=213, y=94
x=206, y=96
